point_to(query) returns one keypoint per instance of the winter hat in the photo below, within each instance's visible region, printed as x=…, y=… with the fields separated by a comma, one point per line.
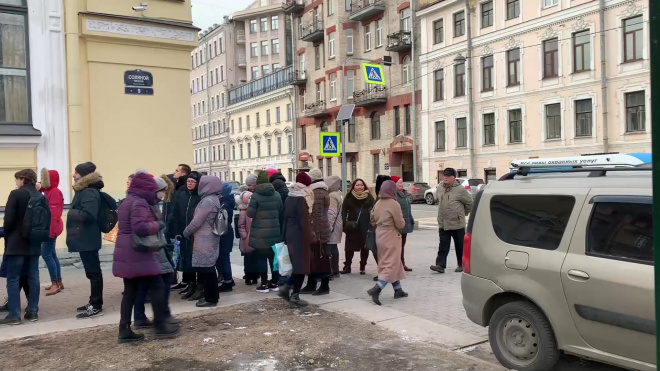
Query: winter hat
x=303, y=178
x=195, y=176
x=251, y=180
x=262, y=177
x=450, y=172
x=387, y=190
x=243, y=188
x=86, y=168
x=271, y=172
x=160, y=182
x=395, y=178
x=315, y=174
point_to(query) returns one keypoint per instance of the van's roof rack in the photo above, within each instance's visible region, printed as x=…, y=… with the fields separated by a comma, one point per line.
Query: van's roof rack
x=594, y=171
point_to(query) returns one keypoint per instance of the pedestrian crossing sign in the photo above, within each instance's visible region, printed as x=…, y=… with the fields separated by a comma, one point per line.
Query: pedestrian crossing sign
x=330, y=146
x=373, y=73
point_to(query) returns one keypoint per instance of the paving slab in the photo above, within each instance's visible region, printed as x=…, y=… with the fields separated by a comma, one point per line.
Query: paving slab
x=425, y=330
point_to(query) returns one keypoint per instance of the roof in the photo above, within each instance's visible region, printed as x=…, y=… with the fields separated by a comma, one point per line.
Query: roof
x=612, y=179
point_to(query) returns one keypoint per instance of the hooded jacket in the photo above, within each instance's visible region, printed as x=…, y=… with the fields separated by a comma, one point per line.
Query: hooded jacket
x=298, y=233
x=279, y=183
x=320, y=223
x=50, y=180
x=15, y=210
x=206, y=245
x=454, y=204
x=403, y=199
x=82, y=230
x=244, y=224
x=228, y=203
x=137, y=216
x=334, y=211
x=265, y=209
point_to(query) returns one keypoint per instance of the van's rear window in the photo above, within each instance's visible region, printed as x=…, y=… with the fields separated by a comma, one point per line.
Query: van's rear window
x=537, y=221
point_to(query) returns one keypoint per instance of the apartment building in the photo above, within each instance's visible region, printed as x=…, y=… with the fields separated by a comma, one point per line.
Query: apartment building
x=332, y=40
x=542, y=86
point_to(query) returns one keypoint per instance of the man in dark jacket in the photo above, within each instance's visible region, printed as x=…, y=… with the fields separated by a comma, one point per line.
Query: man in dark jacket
x=279, y=183
x=22, y=255
x=266, y=212
x=84, y=233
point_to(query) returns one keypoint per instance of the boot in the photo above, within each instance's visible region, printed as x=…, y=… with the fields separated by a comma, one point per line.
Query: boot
x=165, y=330
x=47, y=288
x=374, y=292
x=60, y=284
x=179, y=286
x=285, y=292
x=191, y=290
x=186, y=289
x=126, y=335
x=199, y=293
x=324, y=289
x=347, y=268
x=399, y=293
x=334, y=260
x=310, y=288
x=54, y=289
x=296, y=302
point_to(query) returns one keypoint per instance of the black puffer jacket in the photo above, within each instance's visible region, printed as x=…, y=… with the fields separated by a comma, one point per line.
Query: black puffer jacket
x=17, y=204
x=265, y=209
x=279, y=182
x=82, y=228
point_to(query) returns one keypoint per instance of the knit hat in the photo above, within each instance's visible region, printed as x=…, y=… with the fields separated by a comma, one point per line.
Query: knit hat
x=86, y=168
x=271, y=172
x=395, y=178
x=194, y=175
x=160, y=182
x=315, y=174
x=450, y=172
x=251, y=180
x=303, y=178
x=262, y=177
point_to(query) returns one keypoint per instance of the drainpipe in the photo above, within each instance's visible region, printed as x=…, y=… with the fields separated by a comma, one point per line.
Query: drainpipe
x=470, y=121
x=414, y=90
x=603, y=75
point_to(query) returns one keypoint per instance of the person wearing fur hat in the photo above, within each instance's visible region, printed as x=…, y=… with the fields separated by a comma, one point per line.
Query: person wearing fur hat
x=50, y=180
x=244, y=225
x=266, y=212
x=84, y=234
x=321, y=267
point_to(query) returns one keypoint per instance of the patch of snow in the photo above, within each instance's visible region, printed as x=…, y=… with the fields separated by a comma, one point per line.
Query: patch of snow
x=209, y=340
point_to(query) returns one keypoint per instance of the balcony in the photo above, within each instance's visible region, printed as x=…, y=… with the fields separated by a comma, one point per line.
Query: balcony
x=273, y=81
x=312, y=32
x=316, y=109
x=241, y=61
x=298, y=78
x=399, y=41
x=240, y=37
x=293, y=6
x=365, y=9
x=371, y=96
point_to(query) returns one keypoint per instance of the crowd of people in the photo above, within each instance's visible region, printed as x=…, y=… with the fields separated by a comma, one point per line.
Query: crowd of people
x=185, y=223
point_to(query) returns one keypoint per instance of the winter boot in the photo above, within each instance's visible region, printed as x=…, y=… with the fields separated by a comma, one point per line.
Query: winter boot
x=54, y=289
x=60, y=284
x=199, y=293
x=399, y=293
x=334, y=259
x=285, y=292
x=347, y=268
x=374, y=292
x=165, y=330
x=296, y=302
x=126, y=335
x=191, y=290
x=310, y=288
x=187, y=288
x=324, y=289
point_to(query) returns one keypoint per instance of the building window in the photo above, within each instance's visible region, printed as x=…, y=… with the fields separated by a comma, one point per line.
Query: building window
x=255, y=72
x=258, y=123
x=240, y=125
x=321, y=165
x=269, y=147
x=289, y=139
x=439, y=79
x=440, y=136
x=277, y=115
x=487, y=73
x=331, y=7
x=408, y=124
x=438, y=31
x=317, y=57
x=247, y=122
x=276, y=46
x=353, y=168
x=489, y=128
x=553, y=121
x=379, y=33
x=461, y=132
x=515, y=126
x=319, y=95
x=583, y=109
x=324, y=127
x=375, y=125
x=581, y=51
x=328, y=166
x=512, y=9
x=264, y=47
x=397, y=121
x=331, y=44
x=633, y=39
x=348, y=6
x=486, y=14
x=289, y=112
x=254, y=50
x=333, y=86
x=459, y=80
x=367, y=38
x=406, y=22
x=275, y=23
x=276, y=66
x=459, y=24
x=351, y=130
x=513, y=69
x=635, y=111
x=232, y=126
x=375, y=158
x=551, y=58
x=249, y=150
x=253, y=26
x=350, y=82
x=265, y=70
x=267, y=117
x=279, y=146
x=240, y=151
x=264, y=24
x=406, y=71
x=222, y=73
x=349, y=41
x=258, y=149
x=548, y=3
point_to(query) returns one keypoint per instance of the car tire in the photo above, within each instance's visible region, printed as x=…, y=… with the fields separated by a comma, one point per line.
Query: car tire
x=522, y=338
x=430, y=200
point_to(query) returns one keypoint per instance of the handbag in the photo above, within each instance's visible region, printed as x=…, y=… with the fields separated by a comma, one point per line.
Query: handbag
x=353, y=225
x=152, y=243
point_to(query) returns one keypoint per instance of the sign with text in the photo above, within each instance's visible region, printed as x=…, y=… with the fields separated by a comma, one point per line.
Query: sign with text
x=330, y=145
x=373, y=73
x=138, y=82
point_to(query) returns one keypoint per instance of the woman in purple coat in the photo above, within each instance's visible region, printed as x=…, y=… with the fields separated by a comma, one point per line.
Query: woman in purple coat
x=135, y=267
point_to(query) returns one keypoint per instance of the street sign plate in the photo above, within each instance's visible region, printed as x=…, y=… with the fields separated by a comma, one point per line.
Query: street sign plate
x=330, y=144
x=132, y=90
x=373, y=73
x=345, y=112
x=138, y=78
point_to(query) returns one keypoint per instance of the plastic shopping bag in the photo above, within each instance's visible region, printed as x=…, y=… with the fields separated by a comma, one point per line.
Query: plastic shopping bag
x=283, y=261
x=177, y=253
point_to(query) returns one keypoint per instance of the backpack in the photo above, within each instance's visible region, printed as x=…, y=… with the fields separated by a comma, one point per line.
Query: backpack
x=107, y=218
x=36, y=223
x=221, y=223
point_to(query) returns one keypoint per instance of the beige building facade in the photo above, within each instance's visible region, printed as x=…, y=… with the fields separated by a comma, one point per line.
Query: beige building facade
x=540, y=84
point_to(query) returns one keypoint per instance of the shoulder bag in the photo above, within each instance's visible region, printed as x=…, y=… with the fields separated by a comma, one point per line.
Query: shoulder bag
x=353, y=225
x=152, y=243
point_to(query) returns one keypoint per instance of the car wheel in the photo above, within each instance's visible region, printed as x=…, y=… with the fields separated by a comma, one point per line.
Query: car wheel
x=522, y=338
x=430, y=200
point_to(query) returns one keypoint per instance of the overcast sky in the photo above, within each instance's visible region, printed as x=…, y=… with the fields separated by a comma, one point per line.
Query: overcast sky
x=207, y=12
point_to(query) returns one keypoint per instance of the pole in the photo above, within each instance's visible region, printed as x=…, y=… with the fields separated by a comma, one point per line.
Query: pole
x=208, y=101
x=603, y=76
x=294, y=101
x=470, y=121
x=342, y=134
x=414, y=91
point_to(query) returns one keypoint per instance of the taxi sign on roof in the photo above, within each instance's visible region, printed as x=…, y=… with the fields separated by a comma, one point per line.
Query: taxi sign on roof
x=373, y=73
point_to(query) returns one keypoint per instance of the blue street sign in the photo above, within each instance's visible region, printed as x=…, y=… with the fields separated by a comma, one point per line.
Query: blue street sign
x=330, y=146
x=373, y=73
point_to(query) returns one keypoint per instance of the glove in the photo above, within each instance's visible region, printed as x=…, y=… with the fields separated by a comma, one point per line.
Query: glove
x=161, y=225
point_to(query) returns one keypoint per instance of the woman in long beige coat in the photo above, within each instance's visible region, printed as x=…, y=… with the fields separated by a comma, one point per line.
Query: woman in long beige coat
x=388, y=219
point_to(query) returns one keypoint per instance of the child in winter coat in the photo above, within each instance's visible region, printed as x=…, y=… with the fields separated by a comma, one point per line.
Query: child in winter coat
x=244, y=225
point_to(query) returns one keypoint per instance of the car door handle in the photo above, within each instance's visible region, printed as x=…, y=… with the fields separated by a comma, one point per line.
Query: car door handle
x=578, y=274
